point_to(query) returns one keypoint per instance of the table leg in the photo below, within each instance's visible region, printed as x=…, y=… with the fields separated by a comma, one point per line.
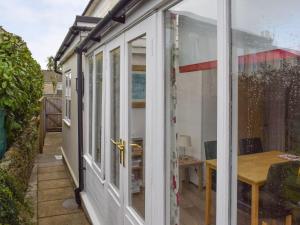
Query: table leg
x=208, y=195
x=254, y=204
x=200, y=177
x=180, y=180
x=288, y=220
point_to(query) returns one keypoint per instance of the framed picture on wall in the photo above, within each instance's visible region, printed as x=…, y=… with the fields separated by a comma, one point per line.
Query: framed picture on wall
x=138, y=86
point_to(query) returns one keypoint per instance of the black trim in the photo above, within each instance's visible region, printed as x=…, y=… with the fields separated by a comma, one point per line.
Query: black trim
x=67, y=71
x=120, y=19
x=80, y=125
x=74, y=31
x=87, y=19
x=55, y=68
x=117, y=13
x=71, y=35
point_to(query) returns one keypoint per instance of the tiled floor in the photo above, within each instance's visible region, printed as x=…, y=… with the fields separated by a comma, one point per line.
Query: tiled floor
x=55, y=203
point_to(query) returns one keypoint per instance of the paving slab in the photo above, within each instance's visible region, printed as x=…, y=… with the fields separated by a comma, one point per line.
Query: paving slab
x=50, y=164
x=56, y=208
x=50, y=184
x=53, y=175
x=69, y=219
x=49, y=169
x=48, y=158
x=55, y=194
x=54, y=187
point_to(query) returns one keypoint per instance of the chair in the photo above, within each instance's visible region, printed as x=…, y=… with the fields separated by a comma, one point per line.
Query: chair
x=280, y=195
x=247, y=146
x=250, y=146
x=211, y=153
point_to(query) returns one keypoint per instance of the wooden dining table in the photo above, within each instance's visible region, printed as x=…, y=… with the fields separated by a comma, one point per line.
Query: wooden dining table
x=253, y=170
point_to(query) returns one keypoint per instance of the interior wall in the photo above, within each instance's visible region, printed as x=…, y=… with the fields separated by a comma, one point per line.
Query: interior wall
x=197, y=111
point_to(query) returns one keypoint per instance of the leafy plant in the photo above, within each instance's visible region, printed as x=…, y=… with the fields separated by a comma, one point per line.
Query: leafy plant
x=14, y=210
x=21, y=83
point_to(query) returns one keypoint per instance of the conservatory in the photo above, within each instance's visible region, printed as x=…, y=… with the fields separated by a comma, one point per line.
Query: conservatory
x=188, y=112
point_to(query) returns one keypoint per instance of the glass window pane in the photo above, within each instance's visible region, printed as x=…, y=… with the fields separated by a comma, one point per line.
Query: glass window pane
x=90, y=64
x=266, y=106
x=191, y=77
x=99, y=91
x=115, y=115
x=137, y=124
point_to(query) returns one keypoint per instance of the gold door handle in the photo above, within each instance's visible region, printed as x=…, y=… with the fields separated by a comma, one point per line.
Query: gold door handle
x=136, y=145
x=115, y=142
x=122, y=152
x=121, y=147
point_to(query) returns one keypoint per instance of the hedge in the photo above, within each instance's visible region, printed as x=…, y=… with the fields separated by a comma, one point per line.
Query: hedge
x=21, y=84
x=15, y=170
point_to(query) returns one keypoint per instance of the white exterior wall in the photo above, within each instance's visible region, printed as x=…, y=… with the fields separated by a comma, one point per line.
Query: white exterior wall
x=69, y=131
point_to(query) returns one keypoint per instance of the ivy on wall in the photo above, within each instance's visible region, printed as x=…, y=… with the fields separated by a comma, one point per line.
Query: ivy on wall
x=21, y=83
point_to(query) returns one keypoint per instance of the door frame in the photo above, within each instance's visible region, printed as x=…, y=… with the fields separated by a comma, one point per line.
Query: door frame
x=114, y=44
x=146, y=27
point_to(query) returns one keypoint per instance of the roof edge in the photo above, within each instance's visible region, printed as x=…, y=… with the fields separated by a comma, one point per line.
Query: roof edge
x=87, y=7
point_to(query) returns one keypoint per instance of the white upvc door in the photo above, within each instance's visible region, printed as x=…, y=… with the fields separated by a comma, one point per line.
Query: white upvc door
x=139, y=77
x=129, y=124
x=115, y=129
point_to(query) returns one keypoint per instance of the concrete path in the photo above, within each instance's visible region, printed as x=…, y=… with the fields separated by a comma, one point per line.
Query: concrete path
x=55, y=204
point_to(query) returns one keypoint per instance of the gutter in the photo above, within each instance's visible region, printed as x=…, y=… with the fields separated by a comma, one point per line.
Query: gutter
x=117, y=14
x=71, y=35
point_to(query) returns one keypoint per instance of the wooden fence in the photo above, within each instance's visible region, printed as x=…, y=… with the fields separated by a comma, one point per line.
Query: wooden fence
x=50, y=118
x=53, y=113
x=42, y=125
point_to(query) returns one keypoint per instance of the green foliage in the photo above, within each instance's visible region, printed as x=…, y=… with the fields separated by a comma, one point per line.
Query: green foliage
x=15, y=170
x=51, y=64
x=14, y=210
x=21, y=83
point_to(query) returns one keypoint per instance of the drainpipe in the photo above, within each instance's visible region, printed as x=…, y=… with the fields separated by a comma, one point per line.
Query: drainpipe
x=55, y=67
x=80, y=125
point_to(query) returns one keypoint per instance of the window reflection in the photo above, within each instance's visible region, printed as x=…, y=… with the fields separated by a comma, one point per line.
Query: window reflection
x=115, y=115
x=137, y=128
x=266, y=106
x=90, y=80
x=99, y=92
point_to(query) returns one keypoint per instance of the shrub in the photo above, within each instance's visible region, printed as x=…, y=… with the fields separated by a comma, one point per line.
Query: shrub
x=21, y=83
x=14, y=210
x=15, y=170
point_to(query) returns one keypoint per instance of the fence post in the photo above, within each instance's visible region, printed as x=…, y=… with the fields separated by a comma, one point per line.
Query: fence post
x=41, y=124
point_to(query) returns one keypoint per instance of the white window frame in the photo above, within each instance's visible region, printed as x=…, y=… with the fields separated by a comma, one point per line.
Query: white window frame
x=227, y=159
x=226, y=206
x=99, y=169
x=68, y=97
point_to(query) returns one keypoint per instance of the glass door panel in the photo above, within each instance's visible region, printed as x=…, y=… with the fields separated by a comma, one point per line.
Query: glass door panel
x=266, y=104
x=115, y=116
x=191, y=123
x=90, y=94
x=137, y=124
x=99, y=94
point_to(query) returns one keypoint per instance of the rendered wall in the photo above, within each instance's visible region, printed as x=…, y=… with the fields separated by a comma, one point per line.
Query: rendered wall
x=69, y=132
